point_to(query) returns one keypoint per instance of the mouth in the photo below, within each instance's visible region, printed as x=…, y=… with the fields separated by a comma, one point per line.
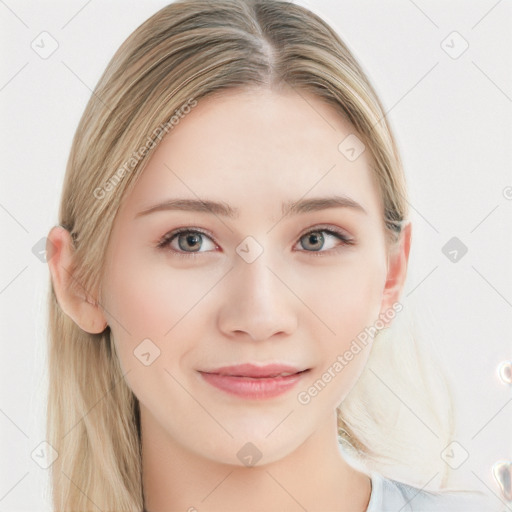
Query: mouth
x=254, y=382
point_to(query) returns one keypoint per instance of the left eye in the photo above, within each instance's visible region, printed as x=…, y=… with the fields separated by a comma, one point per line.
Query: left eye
x=189, y=242
x=316, y=240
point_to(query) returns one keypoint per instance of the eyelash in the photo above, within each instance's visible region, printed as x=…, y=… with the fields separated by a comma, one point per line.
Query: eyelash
x=165, y=241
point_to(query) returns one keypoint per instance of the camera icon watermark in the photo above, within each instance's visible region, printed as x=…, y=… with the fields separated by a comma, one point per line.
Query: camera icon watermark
x=351, y=147
x=455, y=455
x=454, y=249
x=249, y=455
x=44, y=455
x=146, y=352
x=249, y=249
x=44, y=249
x=454, y=45
x=44, y=45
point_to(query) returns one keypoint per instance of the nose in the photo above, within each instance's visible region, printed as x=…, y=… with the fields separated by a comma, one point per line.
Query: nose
x=257, y=302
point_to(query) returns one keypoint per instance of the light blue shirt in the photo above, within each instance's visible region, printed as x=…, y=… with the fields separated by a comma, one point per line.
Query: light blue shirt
x=393, y=496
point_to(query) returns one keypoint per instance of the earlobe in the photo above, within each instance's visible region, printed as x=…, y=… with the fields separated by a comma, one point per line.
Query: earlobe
x=397, y=269
x=73, y=299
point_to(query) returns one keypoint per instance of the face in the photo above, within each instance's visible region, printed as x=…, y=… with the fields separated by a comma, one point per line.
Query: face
x=189, y=291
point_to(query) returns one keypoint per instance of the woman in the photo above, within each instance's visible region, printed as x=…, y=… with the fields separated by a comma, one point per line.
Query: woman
x=232, y=239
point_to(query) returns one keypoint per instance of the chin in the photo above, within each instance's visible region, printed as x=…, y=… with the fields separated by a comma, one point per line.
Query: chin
x=246, y=451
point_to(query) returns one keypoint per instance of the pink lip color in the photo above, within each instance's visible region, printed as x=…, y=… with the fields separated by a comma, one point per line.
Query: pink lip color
x=253, y=382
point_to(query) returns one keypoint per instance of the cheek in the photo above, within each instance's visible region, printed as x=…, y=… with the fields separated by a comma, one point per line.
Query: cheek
x=347, y=297
x=145, y=300
x=148, y=297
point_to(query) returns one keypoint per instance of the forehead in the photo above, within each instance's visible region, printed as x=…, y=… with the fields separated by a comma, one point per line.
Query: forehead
x=252, y=148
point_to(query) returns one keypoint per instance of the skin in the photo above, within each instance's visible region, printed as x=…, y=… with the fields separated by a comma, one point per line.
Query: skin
x=292, y=304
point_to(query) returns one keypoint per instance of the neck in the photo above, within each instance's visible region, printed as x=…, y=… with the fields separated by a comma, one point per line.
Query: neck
x=314, y=477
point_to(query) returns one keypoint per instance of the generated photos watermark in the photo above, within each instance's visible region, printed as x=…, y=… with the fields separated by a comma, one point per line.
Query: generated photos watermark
x=358, y=343
x=130, y=163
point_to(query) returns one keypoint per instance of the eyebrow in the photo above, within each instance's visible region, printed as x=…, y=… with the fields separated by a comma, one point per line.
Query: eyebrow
x=225, y=210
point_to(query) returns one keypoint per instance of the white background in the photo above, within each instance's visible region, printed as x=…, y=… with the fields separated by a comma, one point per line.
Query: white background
x=452, y=119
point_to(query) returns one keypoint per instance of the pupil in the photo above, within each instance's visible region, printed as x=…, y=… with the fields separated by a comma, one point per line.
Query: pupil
x=191, y=239
x=315, y=239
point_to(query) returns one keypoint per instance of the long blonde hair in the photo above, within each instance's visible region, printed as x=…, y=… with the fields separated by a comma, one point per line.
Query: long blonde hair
x=186, y=51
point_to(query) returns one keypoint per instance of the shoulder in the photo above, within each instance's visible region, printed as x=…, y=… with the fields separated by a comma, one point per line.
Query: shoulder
x=393, y=496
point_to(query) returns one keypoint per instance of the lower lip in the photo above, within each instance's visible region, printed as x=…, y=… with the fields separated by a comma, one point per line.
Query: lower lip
x=253, y=388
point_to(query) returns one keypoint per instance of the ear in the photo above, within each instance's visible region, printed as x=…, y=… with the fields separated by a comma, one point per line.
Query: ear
x=73, y=299
x=398, y=259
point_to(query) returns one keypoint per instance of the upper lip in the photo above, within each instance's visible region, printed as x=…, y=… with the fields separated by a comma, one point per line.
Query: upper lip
x=251, y=370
